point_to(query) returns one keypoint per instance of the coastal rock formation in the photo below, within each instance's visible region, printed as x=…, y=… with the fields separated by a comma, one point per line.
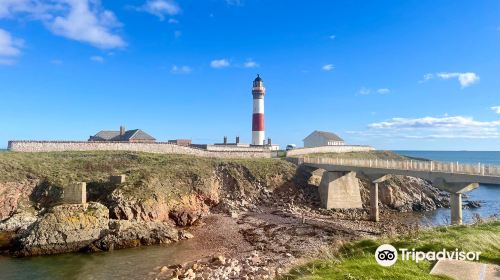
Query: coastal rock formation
x=12, y=194
x=127, y=234
x=64, y=228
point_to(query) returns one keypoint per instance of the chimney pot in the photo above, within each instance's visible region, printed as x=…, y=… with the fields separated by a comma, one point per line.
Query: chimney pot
x=225, y=140
x=237, y=139
x=122, y=130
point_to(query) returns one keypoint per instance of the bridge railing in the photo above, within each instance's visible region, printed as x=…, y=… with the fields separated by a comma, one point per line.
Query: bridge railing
x=414, y=165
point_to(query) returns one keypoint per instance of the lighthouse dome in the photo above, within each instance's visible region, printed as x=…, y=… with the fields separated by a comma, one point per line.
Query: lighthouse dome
x=258, y=79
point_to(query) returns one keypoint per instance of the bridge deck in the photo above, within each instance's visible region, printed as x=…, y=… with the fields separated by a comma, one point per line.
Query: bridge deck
x=429, y=170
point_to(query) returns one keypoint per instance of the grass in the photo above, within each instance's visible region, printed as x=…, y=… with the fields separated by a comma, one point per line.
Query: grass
x=147, y=174
x=356, y=260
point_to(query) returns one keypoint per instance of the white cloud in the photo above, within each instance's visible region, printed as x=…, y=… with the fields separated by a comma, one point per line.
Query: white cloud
x=97, y=58
x=250, y=64
x=9, y=46
x=367, y=91
x=383, y=90
x=36, y=9
x=433, y=127
x=87, y=22
x=464, y=78
x=364, y=91
x=161, y=8
x=328, y=67
x=496, y=109
x=173, y=21
x=332, y=37
x=184, y=69
x=81, y=20
x=219, y=63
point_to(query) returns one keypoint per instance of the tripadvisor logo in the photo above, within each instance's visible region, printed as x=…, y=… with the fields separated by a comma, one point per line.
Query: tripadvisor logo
x=387, y=255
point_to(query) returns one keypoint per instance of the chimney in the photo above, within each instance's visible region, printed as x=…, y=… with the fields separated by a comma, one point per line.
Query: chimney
x=225, y=140
x=237, y=140
x=269, y=141
x=122, y=130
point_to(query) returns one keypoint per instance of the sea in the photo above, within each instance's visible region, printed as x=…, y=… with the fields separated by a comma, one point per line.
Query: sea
x=487, y=195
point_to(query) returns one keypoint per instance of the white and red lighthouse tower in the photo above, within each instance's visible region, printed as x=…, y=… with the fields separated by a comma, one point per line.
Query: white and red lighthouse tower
x=258, y=92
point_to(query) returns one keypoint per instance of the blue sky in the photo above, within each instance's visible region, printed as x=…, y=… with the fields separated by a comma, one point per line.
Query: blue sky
x=392, y=74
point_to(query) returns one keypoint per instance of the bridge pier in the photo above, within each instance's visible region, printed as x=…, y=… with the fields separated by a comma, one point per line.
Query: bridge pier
x=374, y=211
x=456, y=208
x=456, y=189
x=375, y=180
x=340, y=190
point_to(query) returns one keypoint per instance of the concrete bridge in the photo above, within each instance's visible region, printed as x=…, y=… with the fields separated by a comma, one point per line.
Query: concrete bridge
x=339, y=186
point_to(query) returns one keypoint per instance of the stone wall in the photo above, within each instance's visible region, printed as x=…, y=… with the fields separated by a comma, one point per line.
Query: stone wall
x=328, y=149
x=158, y=147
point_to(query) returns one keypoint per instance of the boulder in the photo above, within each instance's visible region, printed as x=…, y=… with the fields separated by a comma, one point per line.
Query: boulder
x=126, y=234
x=64, y=228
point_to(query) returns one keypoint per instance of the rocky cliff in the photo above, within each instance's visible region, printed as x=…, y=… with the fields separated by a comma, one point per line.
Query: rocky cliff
x=162, y=194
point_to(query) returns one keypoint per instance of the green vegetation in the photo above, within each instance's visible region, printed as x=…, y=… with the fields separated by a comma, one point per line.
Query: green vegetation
x=356, y=260
x=147, y=174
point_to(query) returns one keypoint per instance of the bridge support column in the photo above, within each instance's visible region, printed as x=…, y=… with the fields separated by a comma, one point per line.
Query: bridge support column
x=456, y=208
x=374, y=211
x=456, y=189
x=340, y=190
x=375, y=180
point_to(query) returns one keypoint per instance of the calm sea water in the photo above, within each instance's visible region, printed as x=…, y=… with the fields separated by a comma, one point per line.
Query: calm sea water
x=488, y=195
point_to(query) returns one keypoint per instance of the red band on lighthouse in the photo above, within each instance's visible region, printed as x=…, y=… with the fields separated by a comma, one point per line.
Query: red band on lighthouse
x=258, y=92
x=258, y=122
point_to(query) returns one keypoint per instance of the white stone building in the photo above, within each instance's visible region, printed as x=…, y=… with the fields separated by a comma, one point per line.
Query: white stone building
x=322, y=138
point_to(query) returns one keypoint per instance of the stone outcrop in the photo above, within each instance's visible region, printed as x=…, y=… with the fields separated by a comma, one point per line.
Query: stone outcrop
x=64, y=228
x=12, y=194
x=126, y=234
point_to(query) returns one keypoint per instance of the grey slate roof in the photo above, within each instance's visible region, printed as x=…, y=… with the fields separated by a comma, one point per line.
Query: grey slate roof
x=135, y=134
x=106, y=135
x=327, y=135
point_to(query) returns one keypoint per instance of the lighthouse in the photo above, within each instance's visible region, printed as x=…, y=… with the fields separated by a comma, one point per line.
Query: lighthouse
x=258, y=92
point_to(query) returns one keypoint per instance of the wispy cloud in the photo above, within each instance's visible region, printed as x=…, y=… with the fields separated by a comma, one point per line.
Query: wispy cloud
x=464, y=78
x=433, y=127
x=97, y=58
x=81, y=20
x=220, y=63
x=368, y=91
x=173, y=21
x=496, y=109
x=184, y=69
x=332, y=37
x=250, y=64
x=328, y=67
x=383, y=90
x=160, y=8
x=177, y=34
x=9, y=46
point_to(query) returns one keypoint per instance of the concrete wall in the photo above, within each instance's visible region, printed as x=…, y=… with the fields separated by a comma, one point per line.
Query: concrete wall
x=340, y=190
x=328, y=149
x=75, y=193
x=158, y=147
